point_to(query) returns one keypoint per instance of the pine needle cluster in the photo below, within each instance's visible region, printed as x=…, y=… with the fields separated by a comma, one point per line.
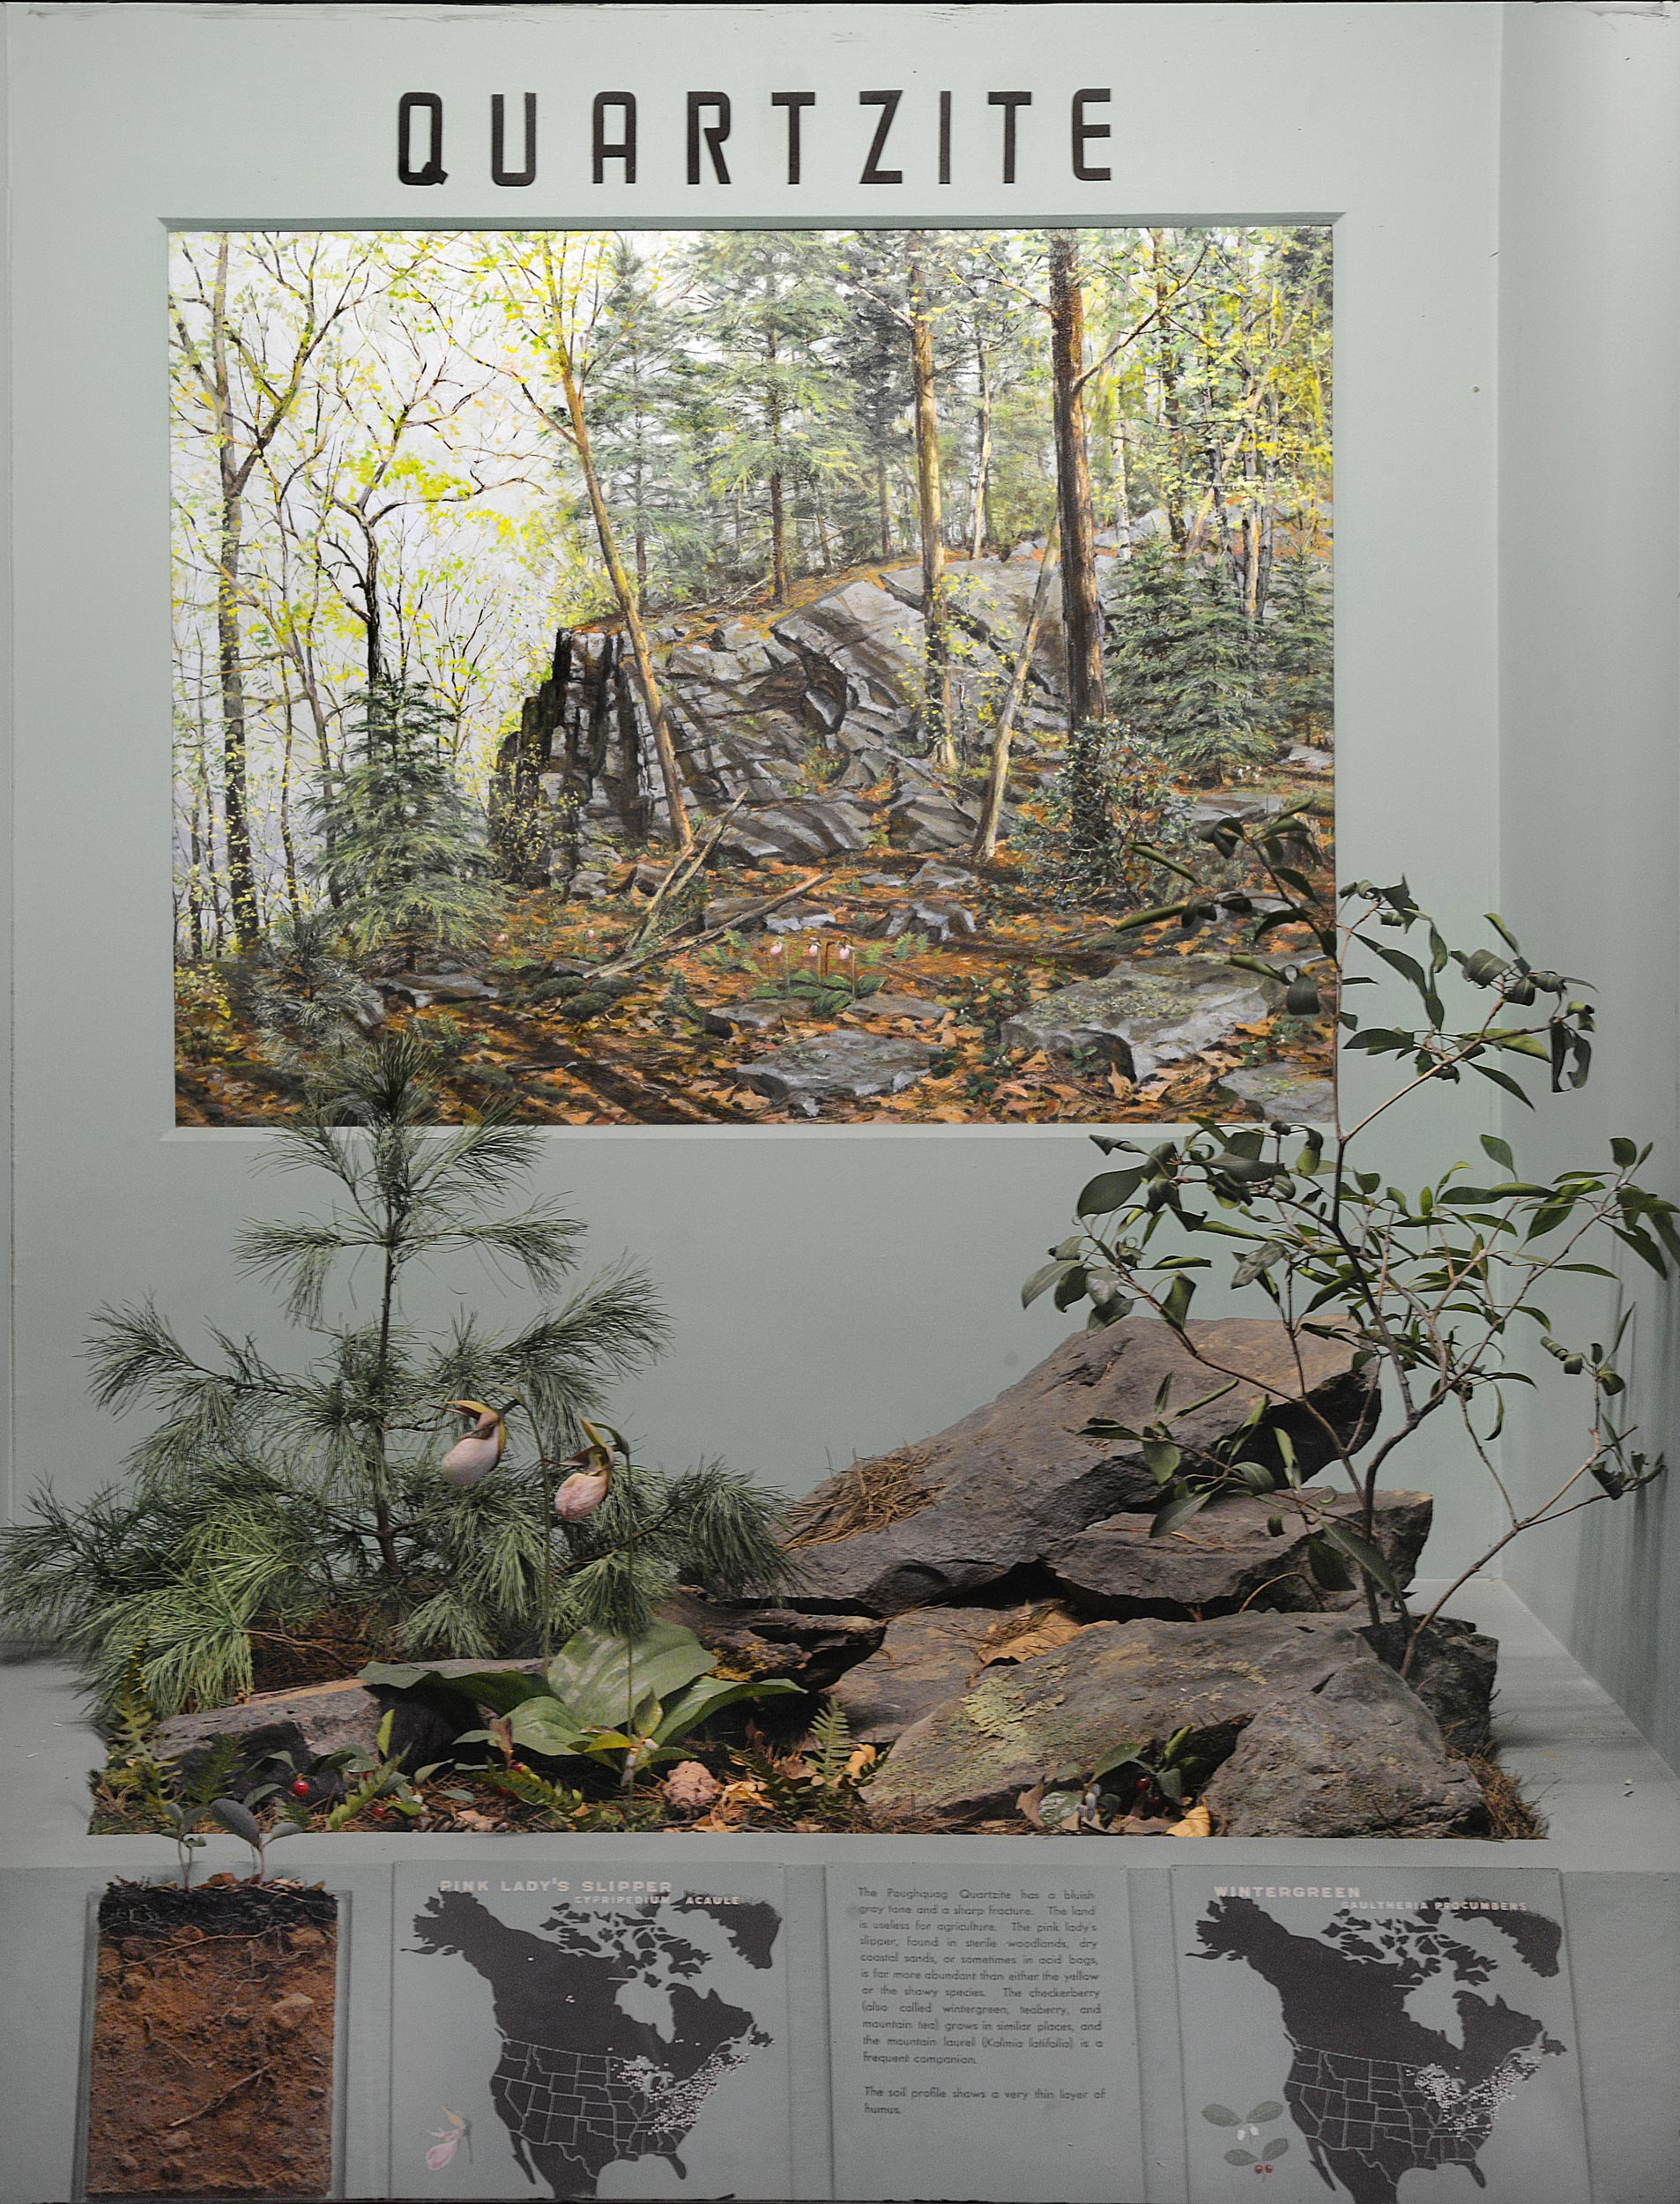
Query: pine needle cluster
x=264, y=1496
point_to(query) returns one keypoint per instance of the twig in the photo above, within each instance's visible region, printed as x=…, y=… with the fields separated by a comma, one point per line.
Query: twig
x=698, y=941
x=186, y=2119
x=681, y=870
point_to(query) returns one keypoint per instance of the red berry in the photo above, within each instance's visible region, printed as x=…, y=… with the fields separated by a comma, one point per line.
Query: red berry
x=300, y=1788
x=520, y=1768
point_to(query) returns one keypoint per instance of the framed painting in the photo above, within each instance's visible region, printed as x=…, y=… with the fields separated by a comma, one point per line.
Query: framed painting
x=753, y=674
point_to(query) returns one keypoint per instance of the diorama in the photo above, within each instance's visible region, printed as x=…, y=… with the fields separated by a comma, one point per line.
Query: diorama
x=747, y=676
x=778, y=677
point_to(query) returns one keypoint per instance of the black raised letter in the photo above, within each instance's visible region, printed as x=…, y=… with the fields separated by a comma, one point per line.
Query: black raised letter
x=793, y=101
x=500, y=172
x=945, y=137
x=872, y=171
x=625, y=148
x=1082, y=130
x=1008, y=101
x=431, y=170
x=714, y=133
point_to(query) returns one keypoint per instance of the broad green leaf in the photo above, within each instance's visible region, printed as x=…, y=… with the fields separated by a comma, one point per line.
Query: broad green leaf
x=1110, y=1190
x=1124, y=1756
x=1041, y=1279
x=1178, y=1510
x=547, y=1725
x=1161, y=1458
x=1270, y=2110
x=238, y=1819
x=1240, y=2158
x=596, y=1673
x=710, y=1696
x=502, y=1689
x=1499, y=1150
x=1363, y=1554
x=1329, y=1568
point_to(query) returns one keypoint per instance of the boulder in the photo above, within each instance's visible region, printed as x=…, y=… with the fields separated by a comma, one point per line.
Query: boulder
x=1016, y=1480
x=1453, y=1671
x=847, y=1066
x=422, y=988
x=914, y=1007
x=1224, y=1558
x=1147, y=1013
x=731, y=1018
x=925, y=823
x=934, y=1654
x=807, y=1650
x=316, y=1719
x=798, y=918
x=939, y=878
x=1284, y=1095
x=941, y=921
x=1360, y=1756
x=1310, y=1729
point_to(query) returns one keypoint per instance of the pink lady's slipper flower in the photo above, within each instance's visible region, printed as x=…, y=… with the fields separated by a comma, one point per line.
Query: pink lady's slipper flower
x=447, y=2141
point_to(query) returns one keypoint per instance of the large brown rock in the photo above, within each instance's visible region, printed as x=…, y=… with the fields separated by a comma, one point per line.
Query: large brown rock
x=1361, y=1757
x=1224, y=1559
x=1014, y=1481
x=933, y=1654
x=1051, y=1719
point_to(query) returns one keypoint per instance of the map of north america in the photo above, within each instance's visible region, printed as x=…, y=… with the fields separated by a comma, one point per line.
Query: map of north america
x=582, y=2084
x=1376, y=2092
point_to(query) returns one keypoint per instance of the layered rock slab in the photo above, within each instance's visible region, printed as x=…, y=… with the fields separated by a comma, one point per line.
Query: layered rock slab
x=934, y=1654
x=1016, y=1480
x=1225, y=1558
x=1145, y=1013
x=1316, y=1735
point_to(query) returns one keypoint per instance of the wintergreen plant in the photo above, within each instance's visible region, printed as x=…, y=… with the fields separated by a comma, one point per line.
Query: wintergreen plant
x=265, y=1494
x=1435, y=1289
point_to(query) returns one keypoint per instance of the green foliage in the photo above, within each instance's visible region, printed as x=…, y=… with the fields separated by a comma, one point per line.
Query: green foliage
x=401, y=850
x=265, y=1493
x=622, y=1699
x=1113, y=812
x=1435, y=1289
x=1187, y=665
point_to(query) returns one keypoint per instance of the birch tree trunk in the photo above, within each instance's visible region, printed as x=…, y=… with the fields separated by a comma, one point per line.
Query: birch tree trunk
x=985, y=838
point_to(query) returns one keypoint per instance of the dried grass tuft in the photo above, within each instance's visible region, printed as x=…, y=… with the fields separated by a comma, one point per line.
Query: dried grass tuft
x=869, y=1496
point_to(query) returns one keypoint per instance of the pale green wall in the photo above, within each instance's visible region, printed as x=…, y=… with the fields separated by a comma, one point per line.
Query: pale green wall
x=1589, y=513
x=834, y=1289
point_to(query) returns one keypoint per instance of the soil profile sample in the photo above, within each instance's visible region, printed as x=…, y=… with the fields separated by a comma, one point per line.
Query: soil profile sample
x=212, y=2070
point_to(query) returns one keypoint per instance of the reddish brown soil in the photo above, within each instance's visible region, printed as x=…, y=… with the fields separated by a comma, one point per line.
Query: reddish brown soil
x=213, y=2042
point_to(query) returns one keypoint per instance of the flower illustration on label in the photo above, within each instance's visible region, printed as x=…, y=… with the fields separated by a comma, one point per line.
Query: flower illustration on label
x=446, y=2141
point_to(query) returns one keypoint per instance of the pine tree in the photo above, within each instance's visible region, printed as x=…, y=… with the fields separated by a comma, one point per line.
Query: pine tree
x=1185, y=670
x=401, y=850
x=267, y=1497
x=1299, y=645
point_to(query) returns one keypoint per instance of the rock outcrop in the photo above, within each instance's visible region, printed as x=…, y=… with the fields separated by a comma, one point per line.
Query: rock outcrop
x=1012, y=1484
x=749, y=701
x=1313, y=1734
x=1226, y=1557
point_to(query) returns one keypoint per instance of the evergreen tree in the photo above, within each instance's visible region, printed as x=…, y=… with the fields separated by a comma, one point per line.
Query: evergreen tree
x=1299, y=642
x=401, y=852
x=1185, y=670
x=268, y=1498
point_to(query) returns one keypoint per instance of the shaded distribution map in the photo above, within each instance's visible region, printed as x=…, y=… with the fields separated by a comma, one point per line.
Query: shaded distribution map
x=581, y=2083
x=1377, y=2091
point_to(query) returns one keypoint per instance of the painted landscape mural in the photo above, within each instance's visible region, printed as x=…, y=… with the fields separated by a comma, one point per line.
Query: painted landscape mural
x=751, y=676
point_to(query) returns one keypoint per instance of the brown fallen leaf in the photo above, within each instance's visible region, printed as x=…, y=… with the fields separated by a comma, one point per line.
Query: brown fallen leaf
x=1028, y=1804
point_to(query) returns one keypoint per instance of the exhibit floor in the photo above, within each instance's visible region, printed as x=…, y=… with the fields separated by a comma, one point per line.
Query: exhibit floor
x=1122, y=2069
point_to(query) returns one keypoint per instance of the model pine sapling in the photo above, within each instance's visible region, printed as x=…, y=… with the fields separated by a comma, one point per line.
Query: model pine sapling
x=267, y=1496
x=1436, y=1290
